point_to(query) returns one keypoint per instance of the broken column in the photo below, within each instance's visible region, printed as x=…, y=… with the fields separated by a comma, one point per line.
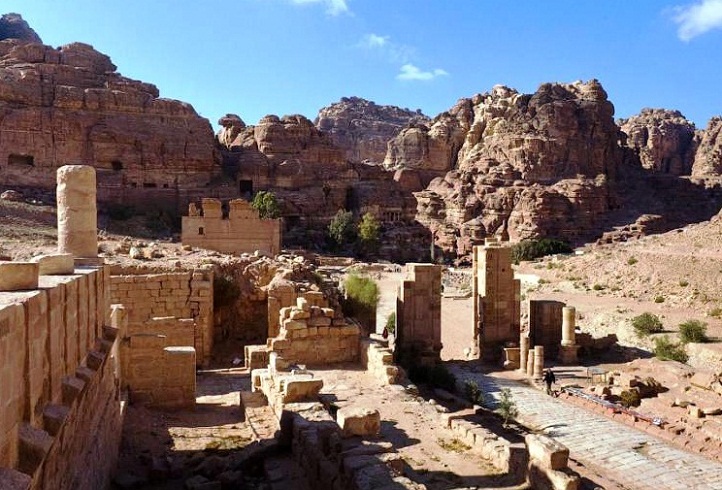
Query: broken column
x=77, y=212
x=568, y=352
x=523, y=351
x=530, y=363
x=538, y=361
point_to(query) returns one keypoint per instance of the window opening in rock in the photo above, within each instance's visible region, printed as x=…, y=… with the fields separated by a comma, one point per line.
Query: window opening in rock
x=245, y=186
x=25, y=160
x=201, y=231
x=117, y=165
x=149, y=185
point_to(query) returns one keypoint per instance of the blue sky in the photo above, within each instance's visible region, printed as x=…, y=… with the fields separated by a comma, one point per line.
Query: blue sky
x=257, y=57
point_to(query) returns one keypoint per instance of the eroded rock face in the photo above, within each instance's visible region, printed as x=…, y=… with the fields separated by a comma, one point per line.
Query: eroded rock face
x=362, y=129
x=530, y=165
x=708, y=158
x=69, y=105
x=13, y=26
x=663, y=140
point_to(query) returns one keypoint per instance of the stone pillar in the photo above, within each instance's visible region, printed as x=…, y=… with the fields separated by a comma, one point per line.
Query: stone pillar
x=77, y=212
x=530, y=362
x=523, y=352
x=538, y=361
x=568, y=324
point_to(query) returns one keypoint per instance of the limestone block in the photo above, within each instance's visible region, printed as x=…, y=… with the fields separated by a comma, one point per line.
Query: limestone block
x=294, y=325
x=549, y=452
x=18, y=276
x=303, y=304
x=359, y=421
x=296, y=390
x=320, y=321
x=55, y=264
x=297, y=314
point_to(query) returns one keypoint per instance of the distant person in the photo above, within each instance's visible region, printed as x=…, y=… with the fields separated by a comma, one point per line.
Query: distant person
x=549, y=379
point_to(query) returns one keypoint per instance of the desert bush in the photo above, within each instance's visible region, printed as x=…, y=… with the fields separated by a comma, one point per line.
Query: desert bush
x=630, y=398
x=683, y=283
x=646, y=324
x=533, y=249
x=473, y=393
x=659, y=299
x=666, y=350
x=632, y=260
x=266, y=204
x=598, y=287
x=507, y=407
x=715, y=312
x=693, y=331
x=391, y=322
x=361, y=298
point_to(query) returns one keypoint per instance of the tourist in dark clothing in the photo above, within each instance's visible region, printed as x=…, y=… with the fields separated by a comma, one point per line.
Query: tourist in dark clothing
x=549, y=379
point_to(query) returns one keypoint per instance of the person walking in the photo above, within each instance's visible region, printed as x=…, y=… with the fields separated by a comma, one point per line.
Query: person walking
x=549, y=379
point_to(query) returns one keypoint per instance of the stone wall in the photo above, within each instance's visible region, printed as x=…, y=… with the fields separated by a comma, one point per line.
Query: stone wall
x=418, y=314
x=379, y=361
x=496, y=299
x=60, y=410
x=545, y=325
x=176, y=294
x=242, y=230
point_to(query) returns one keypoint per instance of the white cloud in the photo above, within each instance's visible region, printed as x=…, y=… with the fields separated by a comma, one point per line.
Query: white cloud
x=699, y=18
x=411, y=72
x=333, y=7
x=372, y=41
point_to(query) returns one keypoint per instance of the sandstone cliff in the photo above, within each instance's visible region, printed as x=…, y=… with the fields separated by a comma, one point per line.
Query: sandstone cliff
x=530, y=164
x=362, y=129
x=708, y=158
x=13, y=26
x=70, y=105
x=662, y=140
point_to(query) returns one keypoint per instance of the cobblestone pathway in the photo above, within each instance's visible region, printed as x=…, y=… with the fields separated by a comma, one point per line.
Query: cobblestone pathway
x=627, y=456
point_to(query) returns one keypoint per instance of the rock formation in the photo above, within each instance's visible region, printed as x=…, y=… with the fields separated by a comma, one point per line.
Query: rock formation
x=12, y=26
x=362, y=128
x=708, y=158
x=663, y=140
x=69, y=105
x=530, y=164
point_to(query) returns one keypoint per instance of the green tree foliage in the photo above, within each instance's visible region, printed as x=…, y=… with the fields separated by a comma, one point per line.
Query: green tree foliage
x=369, y=231
x=630, y=398
x=533, y=249
x=341, y=228
x=693, y=331
x=507, y=407
x=666, y=350
x=646, y=324
x=266, y=204
x=362, y=297
x=473, y=393
x=391, y=322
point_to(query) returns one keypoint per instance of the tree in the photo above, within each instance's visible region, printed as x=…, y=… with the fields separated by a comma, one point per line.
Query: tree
x=646, y=324
x=266, y=204
x=369, y=231
x=507, y=407
x=341, y=228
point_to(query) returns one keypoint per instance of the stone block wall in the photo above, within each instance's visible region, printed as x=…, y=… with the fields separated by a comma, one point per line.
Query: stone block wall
x=545, y=325
x=418, y=313
x=496, y=299
x=241, y=231
x=379, y=361
x=177, y=294
x=59, y=402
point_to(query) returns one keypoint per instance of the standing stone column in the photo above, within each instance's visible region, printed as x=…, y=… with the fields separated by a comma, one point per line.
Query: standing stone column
x=568, y=325
x=538, y=361
x=530, y=362
x=77, y=212
x=523, y=352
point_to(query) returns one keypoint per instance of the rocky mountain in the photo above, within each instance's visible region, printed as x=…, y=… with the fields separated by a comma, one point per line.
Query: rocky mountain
x=13, y=26
x=708, y=157
x=70, y=105
x=662, y=140
x=362, y=128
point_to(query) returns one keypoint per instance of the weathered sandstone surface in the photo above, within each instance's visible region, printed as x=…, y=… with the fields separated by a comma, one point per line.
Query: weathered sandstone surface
x=362, y=128
x=708, y=158
x=70, y=105
x=663, y=140
x=12, y=26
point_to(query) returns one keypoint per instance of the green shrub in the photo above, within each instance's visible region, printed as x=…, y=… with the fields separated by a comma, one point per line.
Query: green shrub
x=715, y=312
x=693, y=331
x=533, y=249
x=630, y=398
x=266, y=204
x=362, y=297
x=666, y=350
x=646, y=324
x=632, y=261
x=225, y=291
x=659, y=299
x=473, y=393
x=683, y=283
x=341, y=228
x=369, y=231
x=597, y=287
x=391, y=323
x=507, y=407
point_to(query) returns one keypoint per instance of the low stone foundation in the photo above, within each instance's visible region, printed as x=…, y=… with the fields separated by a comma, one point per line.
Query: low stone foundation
x=548, y=464
x=379, y=361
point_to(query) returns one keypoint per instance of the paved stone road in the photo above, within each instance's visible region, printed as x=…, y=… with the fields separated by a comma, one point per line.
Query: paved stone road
x=628, y=457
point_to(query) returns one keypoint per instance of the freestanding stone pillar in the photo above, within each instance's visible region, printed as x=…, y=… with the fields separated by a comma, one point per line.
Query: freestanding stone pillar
x=523, y=351
x=77, y=212
x=530, y=362
x=538, y=361
x=568, y=325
